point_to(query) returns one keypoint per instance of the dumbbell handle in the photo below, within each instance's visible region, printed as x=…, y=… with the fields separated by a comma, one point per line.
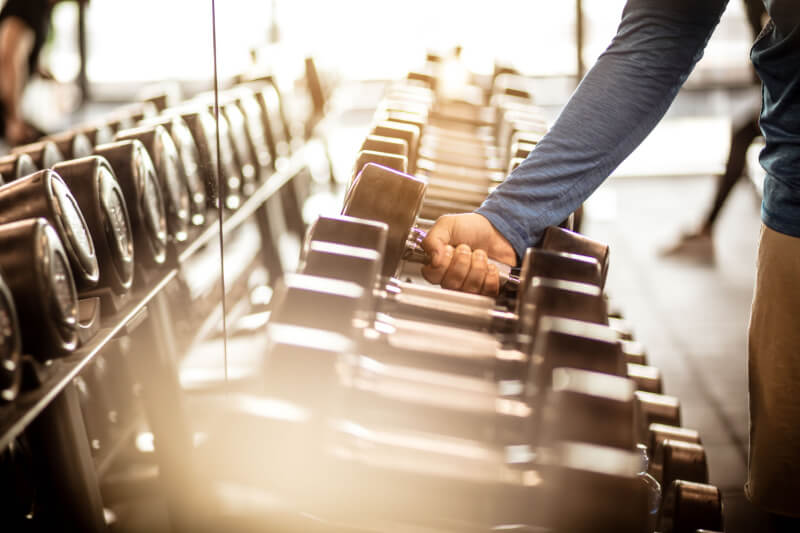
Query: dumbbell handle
x=416, y=254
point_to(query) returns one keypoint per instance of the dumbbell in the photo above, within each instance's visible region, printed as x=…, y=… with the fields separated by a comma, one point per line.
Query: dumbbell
x=301, y=300
x=545, y=296
x=203, y=128
x=175, y=192
x=392, y=474
x=466, y=195
x=377, y=391
x=97, y=133
x=273, y=120
x=36, y=269
x=44, y=154
x=15, y=166
x=383, y=194
x=689, y=507
x=256, y=129
x=386, y=145
x=293, y=351
x=238, y=125
x=404, y=132
x=242, y=148
x=44, y=194
x=189, y=166
x=137, y=179
x=94, y=185
x=577, y=265
x=409, y=300
x=72, y=144
x=127, y=116
x=10, y=346
x=231, y=178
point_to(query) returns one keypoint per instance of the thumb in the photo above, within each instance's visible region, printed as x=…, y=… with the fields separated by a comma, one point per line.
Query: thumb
x=437, y=239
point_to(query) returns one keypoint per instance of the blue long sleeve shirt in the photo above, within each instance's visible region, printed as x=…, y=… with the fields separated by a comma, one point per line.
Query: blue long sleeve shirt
x=626, y=93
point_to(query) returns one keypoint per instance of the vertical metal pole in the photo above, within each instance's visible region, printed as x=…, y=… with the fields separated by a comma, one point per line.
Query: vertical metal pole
x=83, y=79
x=579, y=39
x=68, y=495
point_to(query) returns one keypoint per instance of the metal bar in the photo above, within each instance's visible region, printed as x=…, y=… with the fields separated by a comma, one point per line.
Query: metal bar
x=68, y=495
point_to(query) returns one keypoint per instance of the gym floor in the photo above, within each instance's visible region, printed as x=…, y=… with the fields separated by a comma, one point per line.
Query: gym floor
x=690, y=312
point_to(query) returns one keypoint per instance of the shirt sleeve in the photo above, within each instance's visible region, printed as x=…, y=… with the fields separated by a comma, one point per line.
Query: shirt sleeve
x=614, y=108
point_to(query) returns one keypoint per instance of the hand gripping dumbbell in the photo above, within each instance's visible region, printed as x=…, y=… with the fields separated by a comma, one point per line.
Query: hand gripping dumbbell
x=37, y=271
x=15, y=166
x=44, y=194
x=413, y=300
x=383, y=194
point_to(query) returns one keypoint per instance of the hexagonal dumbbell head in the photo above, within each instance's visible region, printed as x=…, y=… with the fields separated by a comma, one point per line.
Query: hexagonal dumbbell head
x=680, y=460
x=320, y=303
x=388, y=196
x=563, y=342
x=342, y=262
x=15, y=166
x=691, y=506
x=393, y=161
x=301, y=363
x=585, y=484
x=557, y=265
x=568, y=299
x=45, y=154
x=590, y=407
x=351, y=231
x=387, y=145
x=563, y=240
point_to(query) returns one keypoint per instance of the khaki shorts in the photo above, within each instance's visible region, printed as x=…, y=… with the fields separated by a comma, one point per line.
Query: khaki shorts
x=773, y=481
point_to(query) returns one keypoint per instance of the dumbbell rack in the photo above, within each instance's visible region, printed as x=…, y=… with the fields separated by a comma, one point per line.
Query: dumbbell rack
x=47, y=411
x=646, y=383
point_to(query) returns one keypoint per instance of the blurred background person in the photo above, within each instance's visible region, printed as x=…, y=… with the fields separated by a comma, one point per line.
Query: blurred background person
x=24, y=27
x=698, y=242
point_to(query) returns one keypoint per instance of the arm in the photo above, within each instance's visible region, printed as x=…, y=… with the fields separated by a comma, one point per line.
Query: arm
x=16, y=43
x=615, y=107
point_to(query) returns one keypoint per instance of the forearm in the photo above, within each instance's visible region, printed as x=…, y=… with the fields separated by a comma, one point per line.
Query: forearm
x=16, y=42
x=615, y=107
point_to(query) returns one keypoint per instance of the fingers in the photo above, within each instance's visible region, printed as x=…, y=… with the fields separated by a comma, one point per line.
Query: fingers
x=477, y=273
x=471, y=272
x=462, y=268
x=491, y=283
x=459, y=268
x=436, y=270
x=436, y=242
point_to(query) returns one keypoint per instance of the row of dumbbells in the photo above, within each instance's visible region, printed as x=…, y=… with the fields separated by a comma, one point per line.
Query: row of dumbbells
x=462, y=151
x=99, y=210
x=537, y=410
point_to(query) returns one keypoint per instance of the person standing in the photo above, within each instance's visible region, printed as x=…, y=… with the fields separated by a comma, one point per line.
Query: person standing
x=615, y=107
